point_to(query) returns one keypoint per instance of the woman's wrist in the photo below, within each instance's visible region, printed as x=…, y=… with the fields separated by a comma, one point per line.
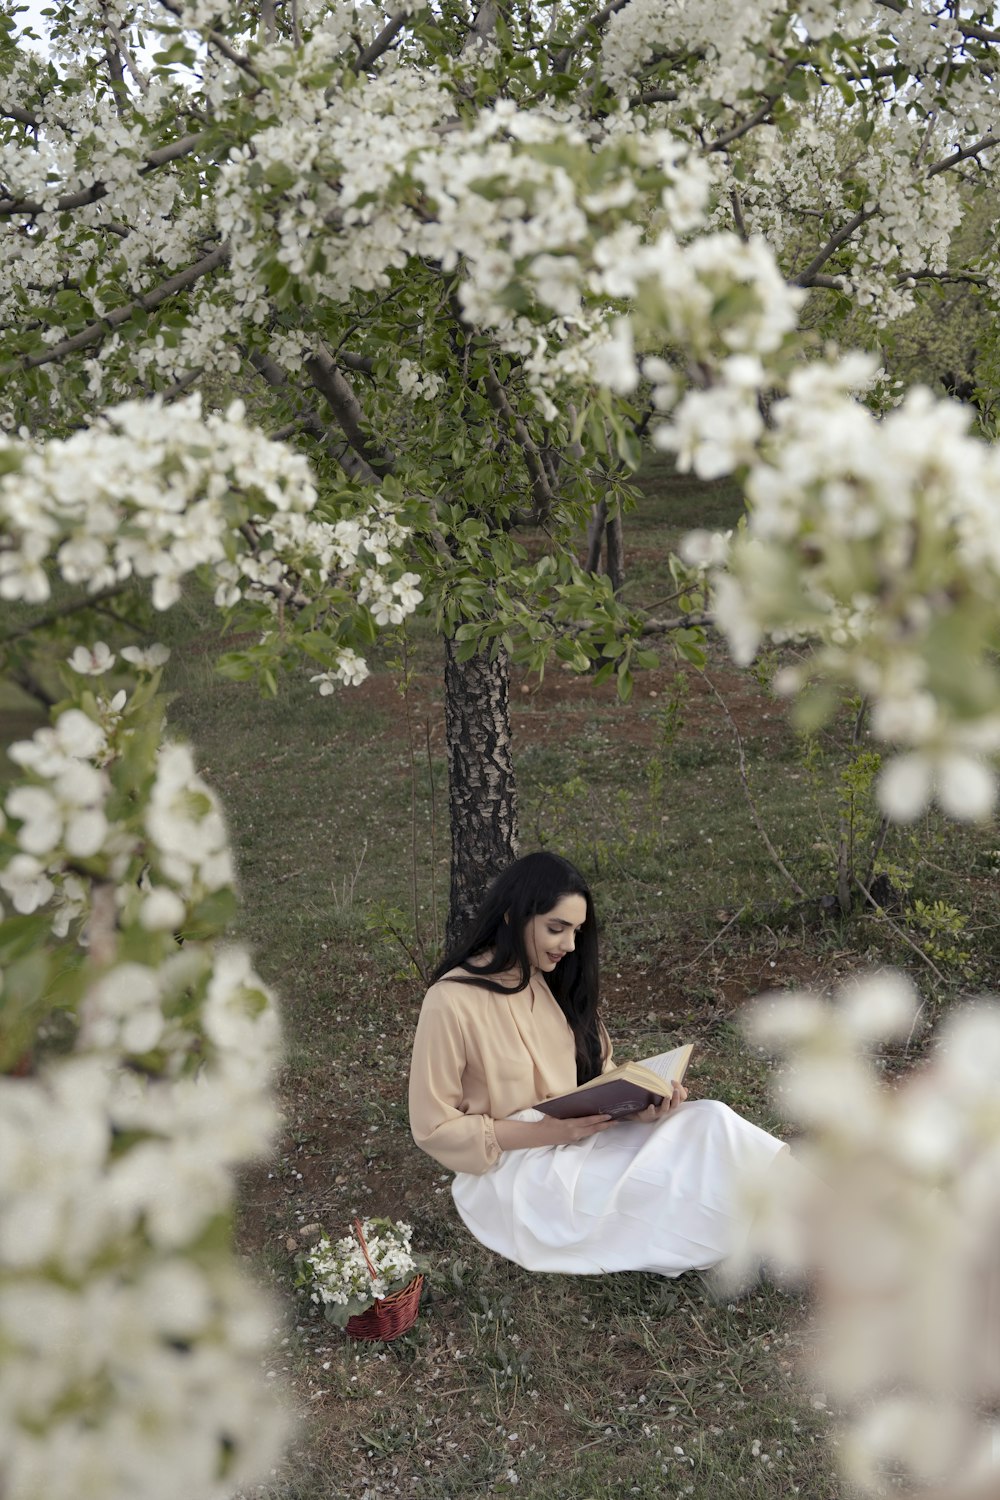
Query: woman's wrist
x=518, y=1135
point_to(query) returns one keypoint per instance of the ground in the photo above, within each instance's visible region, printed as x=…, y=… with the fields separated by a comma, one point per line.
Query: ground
x=553, y=1388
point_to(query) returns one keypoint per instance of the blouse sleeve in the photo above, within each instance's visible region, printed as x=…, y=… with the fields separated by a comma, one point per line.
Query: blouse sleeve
x=607, y=1047
x=462, y=1141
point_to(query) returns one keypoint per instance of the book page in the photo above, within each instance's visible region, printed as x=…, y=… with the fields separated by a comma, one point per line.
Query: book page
x=668, y=1065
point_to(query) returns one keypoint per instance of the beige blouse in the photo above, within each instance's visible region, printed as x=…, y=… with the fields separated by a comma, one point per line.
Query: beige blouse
x=479, y=1056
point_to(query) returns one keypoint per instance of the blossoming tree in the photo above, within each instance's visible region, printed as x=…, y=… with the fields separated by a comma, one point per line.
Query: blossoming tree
x=234, y=202
x=453, y=261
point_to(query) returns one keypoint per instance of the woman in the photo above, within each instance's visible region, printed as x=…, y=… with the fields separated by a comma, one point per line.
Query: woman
x=511, y=1019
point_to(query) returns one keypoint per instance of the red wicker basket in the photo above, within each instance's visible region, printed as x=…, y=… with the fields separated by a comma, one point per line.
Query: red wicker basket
x=390, y=1316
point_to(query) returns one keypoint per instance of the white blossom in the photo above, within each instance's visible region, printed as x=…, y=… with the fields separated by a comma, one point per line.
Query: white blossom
x=146, y=658
x=92, y=662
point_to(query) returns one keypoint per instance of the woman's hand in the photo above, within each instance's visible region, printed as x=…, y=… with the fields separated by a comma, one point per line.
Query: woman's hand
x=657, y=1111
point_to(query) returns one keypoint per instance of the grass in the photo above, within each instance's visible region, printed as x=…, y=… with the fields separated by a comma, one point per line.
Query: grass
x=548, y=1387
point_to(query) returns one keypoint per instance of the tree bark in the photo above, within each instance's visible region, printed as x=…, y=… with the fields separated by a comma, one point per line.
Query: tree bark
x=482, y=793
x=605, y=531
x=595, y=536
x=615, y=552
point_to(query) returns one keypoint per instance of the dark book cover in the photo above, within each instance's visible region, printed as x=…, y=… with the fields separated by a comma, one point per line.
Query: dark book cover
x=617, y=1097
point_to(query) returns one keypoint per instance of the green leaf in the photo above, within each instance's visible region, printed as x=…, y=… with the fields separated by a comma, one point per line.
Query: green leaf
x=212, y=915
x=690, y=651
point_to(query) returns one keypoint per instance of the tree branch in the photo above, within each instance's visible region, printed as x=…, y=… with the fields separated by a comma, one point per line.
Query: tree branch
x=142, y=82
x=678, y=622
x=540, y=488
x=183, y=146
x=13, y=112
x=963, y=155
x=808, y=276
x=355, y=361
x=218, y=41
x=972, y=28
x=96, y=332
x=381, y=43
x=180, y=385
x=757, y=118
x=309, y=420
x=116, y=69
x=484, y=25
x=881, y=912
x=29, y=683
x=63, y=611
x=972, y=278
x=654, y=96
x=562, y=58
x=346, y=407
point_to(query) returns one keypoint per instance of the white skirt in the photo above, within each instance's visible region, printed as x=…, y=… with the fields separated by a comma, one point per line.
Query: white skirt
x=668, y=1197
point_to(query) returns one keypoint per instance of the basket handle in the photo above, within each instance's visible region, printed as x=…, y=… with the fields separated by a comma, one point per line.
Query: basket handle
x=359, y=1231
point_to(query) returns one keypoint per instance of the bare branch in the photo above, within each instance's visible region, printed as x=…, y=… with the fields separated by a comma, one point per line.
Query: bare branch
x=600, y=19
x=182, y=384
x=339, y=396
x=881, y=912
x=13, y=112
x=123, y=50
x=595, y=536
x=678, y=622
x=218, y=41
x=971, y=278
x=649, y=628
x=355, y=361
x=309, y=420
x=757, y=118
x=116, y=68
x=831, y=283
x=654, y=96
x=971, y=28
x=540, y=487
x=96, y=332
x=964, y=154
x=29, y=683
x=381, y=43
x=484, y=25
x=808, y=276
x=63, y=611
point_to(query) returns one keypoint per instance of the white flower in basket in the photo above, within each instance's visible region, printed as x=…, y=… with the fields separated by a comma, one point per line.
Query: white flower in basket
x=338, y=1277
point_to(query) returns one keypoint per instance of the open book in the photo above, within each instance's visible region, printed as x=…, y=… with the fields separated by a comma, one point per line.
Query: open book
x=624, y=1090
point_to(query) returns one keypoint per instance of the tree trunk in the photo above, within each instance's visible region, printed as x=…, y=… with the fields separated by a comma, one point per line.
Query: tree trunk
x=606, y=529
x=616, y=552
x=595, y=536
x=482, y=795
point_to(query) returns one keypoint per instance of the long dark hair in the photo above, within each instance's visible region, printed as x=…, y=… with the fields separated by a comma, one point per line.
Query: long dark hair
x=528, y=888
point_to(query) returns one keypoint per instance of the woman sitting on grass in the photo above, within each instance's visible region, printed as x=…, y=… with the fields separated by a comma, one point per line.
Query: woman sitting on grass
x=511, y=1020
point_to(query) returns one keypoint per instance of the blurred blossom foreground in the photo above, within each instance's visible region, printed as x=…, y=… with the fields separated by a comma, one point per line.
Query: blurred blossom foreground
x=896, y=1225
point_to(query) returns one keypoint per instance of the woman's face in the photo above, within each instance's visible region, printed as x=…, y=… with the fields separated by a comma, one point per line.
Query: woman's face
x=550, y=936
